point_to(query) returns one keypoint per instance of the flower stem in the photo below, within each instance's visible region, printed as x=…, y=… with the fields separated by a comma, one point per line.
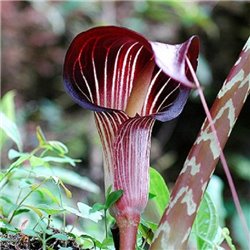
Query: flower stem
x=128, y=227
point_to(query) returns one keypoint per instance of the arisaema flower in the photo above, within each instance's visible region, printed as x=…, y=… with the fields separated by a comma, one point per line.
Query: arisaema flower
x=129, y=82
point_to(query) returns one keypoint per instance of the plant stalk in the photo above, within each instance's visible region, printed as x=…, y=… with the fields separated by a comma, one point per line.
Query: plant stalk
x=128, y=227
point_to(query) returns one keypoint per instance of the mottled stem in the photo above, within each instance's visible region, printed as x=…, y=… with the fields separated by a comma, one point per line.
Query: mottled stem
x=178, y=218
x=222, y=156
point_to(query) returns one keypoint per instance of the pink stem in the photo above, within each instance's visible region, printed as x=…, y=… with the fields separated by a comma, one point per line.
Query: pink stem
x=128, y=231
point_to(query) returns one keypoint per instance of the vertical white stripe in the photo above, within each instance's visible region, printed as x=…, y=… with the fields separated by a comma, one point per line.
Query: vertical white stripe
x=115, y=74
x=158, y=95
x=160, y=106
x=121, y=94
x=95, y=75
x=105, y=96
x=86, y=83
x=144, y=111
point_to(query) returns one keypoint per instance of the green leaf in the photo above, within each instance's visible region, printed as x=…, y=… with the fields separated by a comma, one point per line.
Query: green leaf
x=146, y=230
x=50, y=209
x=108, y=242
x=24, y=157
x=65, y=248
x=69, y=177
x=58, y=147
x=35, y=209
x=66, y=190
x=89, y=241
x=85, y=212
x=11, y=130
x=151, y=196
x=40, y=136
x=30, y=232
x=7, y=106
x=113, y=197
x=46, y=192
x=6, y=199
x=37, y=161
x=97, y=207
x=6, y=227
x=108, y=190
x=157, y=204
x=12, y=154
x=209, y=235
x=64, y=159
x=159, y=188
x=58, y=236
x=73, y=211
x=4, y=239
x=21, y=211
x=206, y=223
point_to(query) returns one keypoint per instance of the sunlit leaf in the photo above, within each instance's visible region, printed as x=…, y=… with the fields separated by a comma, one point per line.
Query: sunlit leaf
x=11, y=130
x=37, y=161
x=40, y=136
x=73, y=211
x=59, y=236
x=12, y=154
x=18, y=162
x=159, y=188
x=51, y=210
x=69, y=177
x=8, y=108
x=66, y=190
x=85, y=212
x=64, y=159
x=58, y=147
x=35, y=209
x=65, y=248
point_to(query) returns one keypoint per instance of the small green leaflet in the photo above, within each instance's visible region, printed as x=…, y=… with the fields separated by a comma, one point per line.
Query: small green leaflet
x=85, y=212
x=209, y=234
x=112, y=198
x=30, y=232
x=58, y=236
x=11, y=130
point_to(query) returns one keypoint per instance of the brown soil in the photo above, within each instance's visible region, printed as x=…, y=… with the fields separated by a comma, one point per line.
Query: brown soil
x=23, y=242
